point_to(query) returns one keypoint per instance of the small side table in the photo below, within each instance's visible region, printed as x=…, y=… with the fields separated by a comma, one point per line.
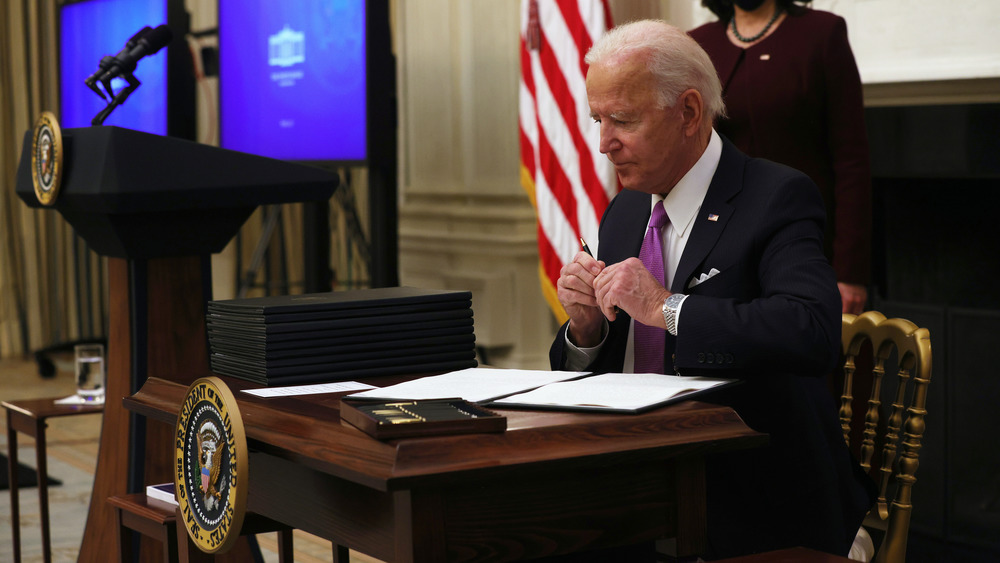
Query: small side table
x=159, y=520
x=29, y=416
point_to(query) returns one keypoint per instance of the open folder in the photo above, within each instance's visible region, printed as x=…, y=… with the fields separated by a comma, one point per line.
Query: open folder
x=613, y=392
x=563, y=390
x=477, y=385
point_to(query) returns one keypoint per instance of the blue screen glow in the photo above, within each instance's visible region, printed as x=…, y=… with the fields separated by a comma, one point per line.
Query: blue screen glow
x=89, y=31
x=292, y=78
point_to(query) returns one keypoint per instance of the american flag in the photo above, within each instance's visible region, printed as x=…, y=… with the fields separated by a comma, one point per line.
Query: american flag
x=567, y=178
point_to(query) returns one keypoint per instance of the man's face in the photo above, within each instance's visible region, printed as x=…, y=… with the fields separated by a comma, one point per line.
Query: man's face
x=645, y=143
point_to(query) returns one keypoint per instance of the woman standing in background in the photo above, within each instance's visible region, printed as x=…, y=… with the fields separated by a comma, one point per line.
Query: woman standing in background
x=793, y=95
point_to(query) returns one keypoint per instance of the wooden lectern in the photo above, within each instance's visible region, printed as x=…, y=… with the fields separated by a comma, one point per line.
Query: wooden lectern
x=157, y=207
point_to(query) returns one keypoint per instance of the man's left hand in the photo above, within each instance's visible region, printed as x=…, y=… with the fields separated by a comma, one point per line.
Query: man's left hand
x=629, y=286
x=853, y=297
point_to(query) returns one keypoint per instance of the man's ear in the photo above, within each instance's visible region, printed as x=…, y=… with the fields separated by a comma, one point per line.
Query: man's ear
x=692, y=111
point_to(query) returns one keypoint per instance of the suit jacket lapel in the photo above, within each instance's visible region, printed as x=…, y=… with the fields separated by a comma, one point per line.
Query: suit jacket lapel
x=713, y=216
x=625, y=240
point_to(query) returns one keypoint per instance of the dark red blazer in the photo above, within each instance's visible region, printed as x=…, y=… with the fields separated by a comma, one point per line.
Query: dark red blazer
x=795, y=98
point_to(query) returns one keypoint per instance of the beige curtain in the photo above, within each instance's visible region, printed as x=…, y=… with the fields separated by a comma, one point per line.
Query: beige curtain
x=52, y=288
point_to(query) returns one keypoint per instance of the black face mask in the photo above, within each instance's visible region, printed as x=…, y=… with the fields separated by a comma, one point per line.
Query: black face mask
x=748, y=5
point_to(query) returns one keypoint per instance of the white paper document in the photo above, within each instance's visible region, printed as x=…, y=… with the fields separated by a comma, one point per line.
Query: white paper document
x=163, y=491
x=613, y=391
x=78, y=400
x=473, y=384
x=338, y=387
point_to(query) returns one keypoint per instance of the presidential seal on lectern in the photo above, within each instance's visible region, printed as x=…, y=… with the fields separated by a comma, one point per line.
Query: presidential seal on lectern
x=211, y=465
x=46, y=158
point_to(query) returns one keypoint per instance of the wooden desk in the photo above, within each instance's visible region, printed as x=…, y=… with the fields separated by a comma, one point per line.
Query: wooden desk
x=29, y=416
x=553, y=483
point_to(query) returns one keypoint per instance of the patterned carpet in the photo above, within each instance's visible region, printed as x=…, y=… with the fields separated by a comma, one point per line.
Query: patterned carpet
x=25, y=476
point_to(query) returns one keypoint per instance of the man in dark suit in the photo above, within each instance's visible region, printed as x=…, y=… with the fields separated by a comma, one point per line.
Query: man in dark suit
x=746, y=292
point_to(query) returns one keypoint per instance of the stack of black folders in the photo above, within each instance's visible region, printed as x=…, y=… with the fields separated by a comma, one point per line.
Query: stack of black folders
x=432, y=417
x=321, y=337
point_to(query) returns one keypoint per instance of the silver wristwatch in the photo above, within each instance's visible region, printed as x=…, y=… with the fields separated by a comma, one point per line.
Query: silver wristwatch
x=670, y=306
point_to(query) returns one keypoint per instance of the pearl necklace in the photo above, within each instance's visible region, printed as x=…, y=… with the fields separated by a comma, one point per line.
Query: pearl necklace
x=774, y=18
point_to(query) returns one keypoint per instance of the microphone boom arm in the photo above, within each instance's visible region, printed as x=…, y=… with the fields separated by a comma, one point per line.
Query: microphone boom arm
x=146, y=42
x=118, y=98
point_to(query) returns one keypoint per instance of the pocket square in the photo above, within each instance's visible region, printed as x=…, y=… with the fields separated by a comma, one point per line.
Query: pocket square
x=702, y=278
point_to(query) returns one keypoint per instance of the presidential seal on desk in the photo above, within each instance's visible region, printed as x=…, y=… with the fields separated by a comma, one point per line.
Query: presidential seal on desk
x=211, y=465
x=46, y=158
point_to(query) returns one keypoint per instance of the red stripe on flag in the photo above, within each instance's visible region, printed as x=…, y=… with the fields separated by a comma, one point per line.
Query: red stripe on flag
x=527, y=149
x=608, y=22
x=526, y=76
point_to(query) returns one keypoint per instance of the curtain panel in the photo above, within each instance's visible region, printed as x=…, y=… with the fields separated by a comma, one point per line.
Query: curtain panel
x=52, y=288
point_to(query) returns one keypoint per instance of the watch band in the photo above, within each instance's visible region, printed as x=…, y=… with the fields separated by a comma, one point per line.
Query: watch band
x=670, y=307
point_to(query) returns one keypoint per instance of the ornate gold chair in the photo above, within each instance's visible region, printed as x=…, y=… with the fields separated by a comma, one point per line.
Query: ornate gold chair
x=877, y=443
x=880, y=438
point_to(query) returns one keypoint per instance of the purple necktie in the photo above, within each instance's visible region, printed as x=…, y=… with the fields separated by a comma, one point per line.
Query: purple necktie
x=649, y=341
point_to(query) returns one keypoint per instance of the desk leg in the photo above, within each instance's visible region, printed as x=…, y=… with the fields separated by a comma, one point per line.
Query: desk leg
x=419, y=523
x=15, y=506
x=692, y=536
x=43, y=488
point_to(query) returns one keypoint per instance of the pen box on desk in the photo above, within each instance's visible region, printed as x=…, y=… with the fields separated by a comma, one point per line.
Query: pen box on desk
x=400, y=419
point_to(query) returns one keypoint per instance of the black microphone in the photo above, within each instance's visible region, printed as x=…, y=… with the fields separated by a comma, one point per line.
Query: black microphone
x=107, y=62
x=148, y=43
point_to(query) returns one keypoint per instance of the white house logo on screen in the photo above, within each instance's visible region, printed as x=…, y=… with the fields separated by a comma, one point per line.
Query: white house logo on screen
x=286, y=47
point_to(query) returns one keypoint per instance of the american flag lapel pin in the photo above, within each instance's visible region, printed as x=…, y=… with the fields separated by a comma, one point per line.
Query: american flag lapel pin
x=713, y=217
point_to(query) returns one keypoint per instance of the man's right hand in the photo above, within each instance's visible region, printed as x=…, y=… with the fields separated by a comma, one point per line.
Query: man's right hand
x=575, y=290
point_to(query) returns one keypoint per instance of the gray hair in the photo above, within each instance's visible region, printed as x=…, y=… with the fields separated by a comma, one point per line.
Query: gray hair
x=676, y=61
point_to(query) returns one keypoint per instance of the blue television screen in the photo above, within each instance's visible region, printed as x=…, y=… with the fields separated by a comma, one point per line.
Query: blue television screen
x=292, y=78
x=93, y=29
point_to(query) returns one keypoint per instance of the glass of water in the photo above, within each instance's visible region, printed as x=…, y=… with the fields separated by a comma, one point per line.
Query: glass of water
x=90, y=377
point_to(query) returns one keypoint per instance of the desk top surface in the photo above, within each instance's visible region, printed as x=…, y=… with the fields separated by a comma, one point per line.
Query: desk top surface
x=41, y=409
x=307, y=429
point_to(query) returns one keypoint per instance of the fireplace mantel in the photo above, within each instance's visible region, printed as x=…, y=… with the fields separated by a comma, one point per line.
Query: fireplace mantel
x=933, y=92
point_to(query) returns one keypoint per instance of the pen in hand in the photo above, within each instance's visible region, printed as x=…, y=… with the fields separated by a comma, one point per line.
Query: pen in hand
x=591, y=254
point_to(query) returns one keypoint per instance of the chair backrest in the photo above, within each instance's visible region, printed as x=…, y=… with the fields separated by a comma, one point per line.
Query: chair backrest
x=882, y=425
